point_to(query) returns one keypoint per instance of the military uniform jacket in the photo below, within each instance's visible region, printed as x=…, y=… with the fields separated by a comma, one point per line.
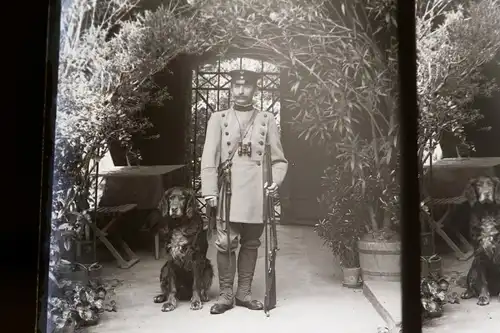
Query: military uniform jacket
x=222, y=136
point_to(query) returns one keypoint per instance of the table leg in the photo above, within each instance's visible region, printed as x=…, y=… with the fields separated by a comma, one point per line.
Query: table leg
x=464, y=241
x=437, y=226
x=133, y=258
x=110, y=223
x=122, y=263
x=157, y=246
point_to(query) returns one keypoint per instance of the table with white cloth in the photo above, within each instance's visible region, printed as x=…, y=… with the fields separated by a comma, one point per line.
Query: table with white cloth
x=141, y=186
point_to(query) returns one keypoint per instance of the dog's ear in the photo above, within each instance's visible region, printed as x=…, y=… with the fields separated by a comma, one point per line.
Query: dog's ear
x=496, y=194
x=191, y=205
x=163, y=205
x=470, y=192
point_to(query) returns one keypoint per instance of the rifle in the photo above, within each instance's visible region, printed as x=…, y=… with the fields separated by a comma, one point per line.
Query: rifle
x=270, y=235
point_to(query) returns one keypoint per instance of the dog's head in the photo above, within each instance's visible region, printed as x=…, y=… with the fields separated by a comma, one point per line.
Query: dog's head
x=178, y=202
x=483, y=190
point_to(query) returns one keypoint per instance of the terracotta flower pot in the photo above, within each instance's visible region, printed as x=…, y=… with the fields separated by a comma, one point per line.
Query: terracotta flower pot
x=352, y=277
x=95, y=271
x=431, y=265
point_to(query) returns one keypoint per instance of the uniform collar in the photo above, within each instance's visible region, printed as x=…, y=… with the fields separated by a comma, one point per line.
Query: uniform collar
x=248, y=107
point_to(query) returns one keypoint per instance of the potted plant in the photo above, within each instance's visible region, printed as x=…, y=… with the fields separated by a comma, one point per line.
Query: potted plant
x=380, y=246
x=340, y=230
x=342, y=237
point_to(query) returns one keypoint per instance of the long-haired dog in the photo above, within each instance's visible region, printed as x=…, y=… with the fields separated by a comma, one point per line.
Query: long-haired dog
x=187, y=273
x=483, y=279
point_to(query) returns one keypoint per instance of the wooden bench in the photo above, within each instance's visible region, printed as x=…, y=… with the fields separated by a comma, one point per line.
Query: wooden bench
x=437, y=226
x=113, y=214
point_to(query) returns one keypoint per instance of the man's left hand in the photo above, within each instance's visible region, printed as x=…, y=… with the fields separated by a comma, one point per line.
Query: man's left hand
x=271, y=190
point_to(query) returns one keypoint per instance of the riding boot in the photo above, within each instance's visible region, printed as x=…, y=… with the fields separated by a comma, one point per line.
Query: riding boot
x=227, y=269
x=247, y=259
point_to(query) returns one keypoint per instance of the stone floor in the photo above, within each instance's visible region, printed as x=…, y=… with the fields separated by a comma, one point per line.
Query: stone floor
x=310, y=296
x=466, y=317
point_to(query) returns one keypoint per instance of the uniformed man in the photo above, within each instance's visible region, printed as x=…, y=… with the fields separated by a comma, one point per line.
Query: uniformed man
x=240, y=133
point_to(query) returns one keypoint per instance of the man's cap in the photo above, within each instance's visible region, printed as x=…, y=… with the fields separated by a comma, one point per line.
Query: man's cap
x=244, y=77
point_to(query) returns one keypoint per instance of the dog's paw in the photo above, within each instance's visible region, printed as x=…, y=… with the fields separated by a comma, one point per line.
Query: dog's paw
x=169, y=306
x=160, y=298
x=468, y=294
x=196, y=305
x=203, y=296
x=483, y=300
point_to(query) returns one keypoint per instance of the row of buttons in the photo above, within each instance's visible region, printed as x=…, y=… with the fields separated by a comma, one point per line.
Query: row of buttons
x=261, y=133
x=263, y=124
x=260, y=143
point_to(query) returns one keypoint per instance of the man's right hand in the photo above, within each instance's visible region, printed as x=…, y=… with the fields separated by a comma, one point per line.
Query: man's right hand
x=211, y=201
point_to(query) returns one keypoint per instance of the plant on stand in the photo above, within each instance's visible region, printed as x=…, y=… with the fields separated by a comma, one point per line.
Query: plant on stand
x=341, y=230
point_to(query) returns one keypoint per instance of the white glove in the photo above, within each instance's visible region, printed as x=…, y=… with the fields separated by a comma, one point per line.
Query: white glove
x=211, y=201
x=271, y=190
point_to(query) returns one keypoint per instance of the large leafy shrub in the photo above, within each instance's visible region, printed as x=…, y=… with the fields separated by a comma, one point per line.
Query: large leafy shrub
x=342, y=228
x=455, y=39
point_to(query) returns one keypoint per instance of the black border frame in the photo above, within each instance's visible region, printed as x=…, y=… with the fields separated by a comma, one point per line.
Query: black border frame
x=410, y=210
x=43, y=82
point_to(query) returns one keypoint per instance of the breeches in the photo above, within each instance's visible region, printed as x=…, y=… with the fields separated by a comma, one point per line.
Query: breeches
x=248, y=235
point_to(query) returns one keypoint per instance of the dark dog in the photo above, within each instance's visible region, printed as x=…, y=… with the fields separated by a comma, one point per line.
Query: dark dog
x=483, y=192
x=187, y=273
x=483, y=279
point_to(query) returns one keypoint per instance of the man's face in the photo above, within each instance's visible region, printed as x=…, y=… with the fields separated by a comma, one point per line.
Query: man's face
x=242, y=93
